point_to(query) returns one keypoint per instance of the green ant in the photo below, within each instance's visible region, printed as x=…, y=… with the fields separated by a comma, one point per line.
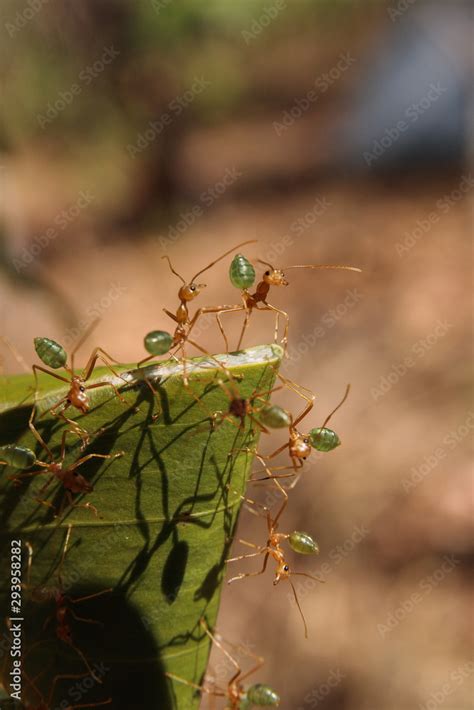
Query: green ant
x=20, y=457
x=54, y=356
x=238, y=696
x=242, y=276
x=300, y=542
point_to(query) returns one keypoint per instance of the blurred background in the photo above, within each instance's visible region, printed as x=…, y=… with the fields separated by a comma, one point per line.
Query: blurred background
x=332, y=132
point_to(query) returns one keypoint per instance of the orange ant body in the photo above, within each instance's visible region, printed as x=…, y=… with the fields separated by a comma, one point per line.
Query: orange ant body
x=63, y=610
x=54, y=355
x=72, y=481
x=299, y=445
x=242, y=275
x=300, y=542
x=237, y=695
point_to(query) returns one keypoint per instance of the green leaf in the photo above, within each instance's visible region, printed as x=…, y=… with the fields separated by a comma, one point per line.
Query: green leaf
x=167, y=511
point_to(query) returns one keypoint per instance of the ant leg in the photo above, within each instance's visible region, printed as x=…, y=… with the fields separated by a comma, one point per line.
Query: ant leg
x=82, y=460
x=275, y=453
x=100, y=354
x=273, y=523
x=107, y=384
x=247, y=556
x=219, y=645
x=85, y=661
x=19, y=476
x=251, y=574
x=278, y=311
x=202, y=688
x=78, y=600
x=300, y=391
x=171, y=315
x=82, y=339
x=248, y=313
x=79, y=431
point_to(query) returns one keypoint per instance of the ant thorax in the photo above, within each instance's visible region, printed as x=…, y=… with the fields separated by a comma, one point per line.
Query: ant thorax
x=77, y=394
x=239, y=408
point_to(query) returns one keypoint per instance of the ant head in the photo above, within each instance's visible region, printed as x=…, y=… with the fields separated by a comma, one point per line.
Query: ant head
x=188, y=292
x=301, y=446
x=282, y=572
x=272, y=276
x=275, y=277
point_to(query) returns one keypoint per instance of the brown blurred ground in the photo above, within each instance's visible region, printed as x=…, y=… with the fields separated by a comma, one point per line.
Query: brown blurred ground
x=370, y=323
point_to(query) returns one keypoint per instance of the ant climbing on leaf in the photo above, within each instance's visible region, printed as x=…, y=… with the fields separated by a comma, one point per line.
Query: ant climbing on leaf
x=54, y=356
x=64, y=606
x=300, y=542
x=160, y=342
x=20, y=457
x=242, y=276
x=242, y=408
x=300, y=445
x=236, y=694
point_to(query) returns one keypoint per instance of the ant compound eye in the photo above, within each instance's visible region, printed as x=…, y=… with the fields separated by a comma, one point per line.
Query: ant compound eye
x=306, y=441
x=267, y=273
x=192, y=288
x=82, y=389
x=286, y=568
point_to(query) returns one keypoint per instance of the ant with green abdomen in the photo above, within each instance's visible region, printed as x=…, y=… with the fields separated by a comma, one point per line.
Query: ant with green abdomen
x=21, y=457
x=238, y=696
x=54, y=355
x=300, y=542
x=300, y=445
x=161, y=342
x=242, y=276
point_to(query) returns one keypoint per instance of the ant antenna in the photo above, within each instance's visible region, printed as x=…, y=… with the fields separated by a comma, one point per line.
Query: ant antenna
x=266, y=264
x=242, y=244
x=171, y=267
x=324, y=266
x=299, y=609
x=346, y=394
